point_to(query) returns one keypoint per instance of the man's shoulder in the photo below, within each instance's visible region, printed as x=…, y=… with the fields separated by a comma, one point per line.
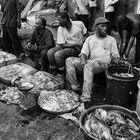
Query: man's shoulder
x=48, y=30
x=134, y=17
x=111, y=38
x=91, y=37
x=77, y=22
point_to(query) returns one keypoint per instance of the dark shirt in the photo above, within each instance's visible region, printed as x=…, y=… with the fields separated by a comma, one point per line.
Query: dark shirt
x=10, y=9
x=135, y=24
x=43, y=39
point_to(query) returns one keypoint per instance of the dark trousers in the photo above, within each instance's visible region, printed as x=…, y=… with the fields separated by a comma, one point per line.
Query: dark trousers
x=137, y=50
x=58, y=55
x=41, y=57
x=109, y=16
x=83, y=18
x=92, y=17
x=11, y=40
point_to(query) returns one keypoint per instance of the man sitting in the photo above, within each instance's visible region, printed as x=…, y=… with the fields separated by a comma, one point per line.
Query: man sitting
x=69, y=38
x=41, y=41
x=97, y=53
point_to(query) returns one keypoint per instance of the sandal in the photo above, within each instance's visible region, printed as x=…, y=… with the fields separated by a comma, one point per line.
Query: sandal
x=84, y=99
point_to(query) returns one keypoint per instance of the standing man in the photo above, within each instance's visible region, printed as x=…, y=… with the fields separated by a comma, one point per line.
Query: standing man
x=97, y=53
x=41, y=41
x=69, y=40
x=81, y=11
x=10, y=22
x=109, y=12
x=131, y=24
x=92, y=14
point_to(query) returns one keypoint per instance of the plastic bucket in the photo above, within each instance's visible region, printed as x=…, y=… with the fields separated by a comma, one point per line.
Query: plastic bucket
x=121, y=90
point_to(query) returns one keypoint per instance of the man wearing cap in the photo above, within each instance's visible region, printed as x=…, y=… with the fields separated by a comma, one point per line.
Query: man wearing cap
x=98, y=51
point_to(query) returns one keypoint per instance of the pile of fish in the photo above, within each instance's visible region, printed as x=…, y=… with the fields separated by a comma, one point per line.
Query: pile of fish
x=10, y=95
x=42, y=81
x=7, y=58
x=58, y=100
x=14, y=71
x=124, y=75
x=111, y=125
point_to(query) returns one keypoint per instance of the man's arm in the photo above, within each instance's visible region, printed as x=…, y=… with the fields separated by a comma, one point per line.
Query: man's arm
x=49, y=42
x=83, y=59
x=113, y=2
x=122, y=39
x=18, y=14
x=2, y=6
x=69, y=45
x=130, y=44
x=134, y=31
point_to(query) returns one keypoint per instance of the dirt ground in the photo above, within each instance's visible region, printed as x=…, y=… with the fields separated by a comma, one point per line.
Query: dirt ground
x=35, y=124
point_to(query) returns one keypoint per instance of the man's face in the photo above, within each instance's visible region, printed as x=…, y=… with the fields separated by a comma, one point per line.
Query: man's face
x=102, y=30
x=38, y=23
x=62, y=22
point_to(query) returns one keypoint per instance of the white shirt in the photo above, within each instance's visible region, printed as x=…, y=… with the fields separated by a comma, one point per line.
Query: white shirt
x=74, y=36
x=81, y=6
x=109, y=5
x=102, y=49
x=92, y=3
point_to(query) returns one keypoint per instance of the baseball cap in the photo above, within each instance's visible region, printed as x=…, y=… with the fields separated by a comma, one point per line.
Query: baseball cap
x=101, y=20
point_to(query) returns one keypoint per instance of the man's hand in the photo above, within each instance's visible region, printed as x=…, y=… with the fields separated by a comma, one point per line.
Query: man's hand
x=83, y=59
x=32, y=47
x=115, y=60
x=122, y=49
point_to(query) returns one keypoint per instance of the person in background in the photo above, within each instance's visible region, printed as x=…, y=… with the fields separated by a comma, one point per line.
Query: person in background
x=131, y=24
x=69, y=40
x=10, y=22
x=109, y=12
x=98, y=51
x=81, y=11
x=92, y=15
x=41, y=41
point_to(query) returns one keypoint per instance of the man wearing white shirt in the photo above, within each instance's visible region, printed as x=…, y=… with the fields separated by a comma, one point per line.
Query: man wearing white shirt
x=98, y=51
x=81, y=11
x=69, y=39
x=109, y=12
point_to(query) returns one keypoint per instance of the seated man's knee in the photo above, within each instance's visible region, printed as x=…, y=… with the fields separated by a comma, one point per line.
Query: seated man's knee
x=50, y=53
x=44, y=52
x=69, y=61
x=88, y=67
x=58, y=55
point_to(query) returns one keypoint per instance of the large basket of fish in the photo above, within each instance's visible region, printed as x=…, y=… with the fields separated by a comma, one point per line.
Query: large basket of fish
x=121, y=84
x=110, y=122
x=58, y=101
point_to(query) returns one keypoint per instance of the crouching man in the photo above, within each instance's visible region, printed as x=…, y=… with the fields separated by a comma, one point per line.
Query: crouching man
x=97, y=53
x=41, y=41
